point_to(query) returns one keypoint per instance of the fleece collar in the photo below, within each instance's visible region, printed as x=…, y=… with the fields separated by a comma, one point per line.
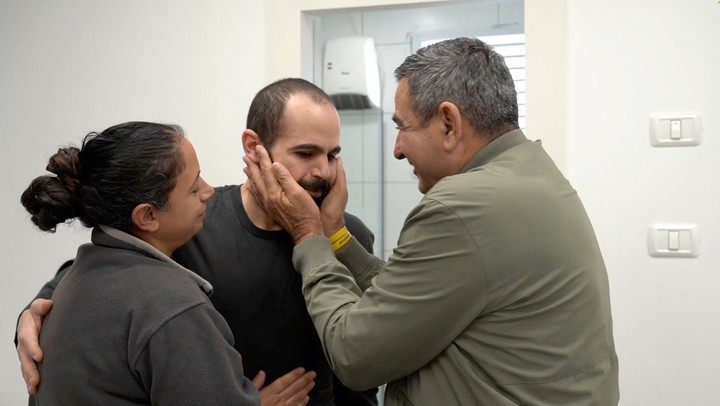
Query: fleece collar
x=108, y=236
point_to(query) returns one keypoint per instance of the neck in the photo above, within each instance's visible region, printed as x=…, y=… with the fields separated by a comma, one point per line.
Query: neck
x=255, y=213
x=503, y=129
x=479, y=141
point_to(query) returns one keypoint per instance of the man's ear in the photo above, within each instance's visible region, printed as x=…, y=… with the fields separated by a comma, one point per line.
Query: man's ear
x=452, y=120
x=144, y=217
x=250, y=140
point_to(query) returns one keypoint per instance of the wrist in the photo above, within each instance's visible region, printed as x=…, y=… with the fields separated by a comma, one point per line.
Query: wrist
x=340, y=238
x=304, y=233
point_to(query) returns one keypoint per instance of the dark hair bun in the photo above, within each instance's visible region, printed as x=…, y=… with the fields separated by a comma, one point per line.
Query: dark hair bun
x=52, y=200
x=66, y=165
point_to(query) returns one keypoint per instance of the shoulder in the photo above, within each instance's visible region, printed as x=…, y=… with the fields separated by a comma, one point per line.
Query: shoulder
x=143, y=286
x=165, y=292
x=219, y=190
x=354, y=223
x=153, y=282
x=223, y=194
x=360, y=231
x=221, y=209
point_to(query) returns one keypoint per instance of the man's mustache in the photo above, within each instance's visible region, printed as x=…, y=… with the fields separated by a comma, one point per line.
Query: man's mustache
x=315, y=185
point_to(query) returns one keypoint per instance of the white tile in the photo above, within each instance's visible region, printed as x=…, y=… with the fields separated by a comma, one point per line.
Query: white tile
x=395, y=170
x=389, y=58
x=372, y=145
x=400, y=198
x=362, y=143
x=355, y=202
x=365, y=202
x=372, y=195
x=351, y=142
x=365, y=197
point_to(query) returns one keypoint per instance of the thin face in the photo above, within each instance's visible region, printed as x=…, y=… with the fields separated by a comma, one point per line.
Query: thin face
x=184, y=216
x=308, y=144
x=421, y=146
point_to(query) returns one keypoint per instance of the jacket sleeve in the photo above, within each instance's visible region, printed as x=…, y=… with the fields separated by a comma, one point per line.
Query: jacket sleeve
x=420, y=301
x=46, y=291
x=190, y=360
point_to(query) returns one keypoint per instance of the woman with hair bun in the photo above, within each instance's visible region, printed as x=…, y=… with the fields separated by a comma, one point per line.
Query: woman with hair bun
x=129, y=325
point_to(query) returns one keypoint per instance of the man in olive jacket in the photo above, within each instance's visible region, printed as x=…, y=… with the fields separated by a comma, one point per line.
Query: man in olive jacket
x=497, y=293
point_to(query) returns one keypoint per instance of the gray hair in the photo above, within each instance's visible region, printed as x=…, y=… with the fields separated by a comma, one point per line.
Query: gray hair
x=466, y=72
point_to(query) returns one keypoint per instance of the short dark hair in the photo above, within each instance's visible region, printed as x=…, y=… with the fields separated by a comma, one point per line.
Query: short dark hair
x=103, y=181
x=466, y=72
x=266, y=110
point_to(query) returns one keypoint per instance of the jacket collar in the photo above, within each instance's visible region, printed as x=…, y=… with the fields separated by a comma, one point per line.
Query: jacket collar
x=495, y=148
x=112, y=237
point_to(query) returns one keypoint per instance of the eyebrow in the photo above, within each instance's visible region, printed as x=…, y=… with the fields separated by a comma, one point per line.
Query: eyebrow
x=192, y=185
x=315, y=148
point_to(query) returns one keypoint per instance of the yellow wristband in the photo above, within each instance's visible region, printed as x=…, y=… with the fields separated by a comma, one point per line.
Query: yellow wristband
x=340, y=238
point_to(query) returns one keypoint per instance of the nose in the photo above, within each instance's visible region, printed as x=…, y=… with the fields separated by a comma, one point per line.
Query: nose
x=321, y=169
x=206, y=191
x=397, y=151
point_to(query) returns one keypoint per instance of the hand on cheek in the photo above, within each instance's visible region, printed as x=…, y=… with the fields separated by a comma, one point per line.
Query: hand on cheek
x=282, y=198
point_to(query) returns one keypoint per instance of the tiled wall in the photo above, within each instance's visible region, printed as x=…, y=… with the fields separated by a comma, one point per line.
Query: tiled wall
x=362, y=145
x=382, y=189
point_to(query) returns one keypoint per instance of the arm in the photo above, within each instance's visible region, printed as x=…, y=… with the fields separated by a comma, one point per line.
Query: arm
x=358, y=251
x=45, y=293
x=28, y=328
x=420, y=302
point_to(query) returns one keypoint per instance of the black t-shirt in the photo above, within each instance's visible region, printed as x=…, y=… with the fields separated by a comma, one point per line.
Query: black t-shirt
x=258, y=292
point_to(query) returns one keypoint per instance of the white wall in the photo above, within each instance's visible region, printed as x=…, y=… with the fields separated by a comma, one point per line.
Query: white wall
x=626, y=61
x=70, y=67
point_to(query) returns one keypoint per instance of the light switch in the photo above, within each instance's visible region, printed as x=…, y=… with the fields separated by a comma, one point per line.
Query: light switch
x=673, y=240
x=675, y=129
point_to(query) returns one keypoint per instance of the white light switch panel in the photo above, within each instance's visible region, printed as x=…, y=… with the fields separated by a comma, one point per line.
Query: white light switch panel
x=673, y=240
x=675, y=129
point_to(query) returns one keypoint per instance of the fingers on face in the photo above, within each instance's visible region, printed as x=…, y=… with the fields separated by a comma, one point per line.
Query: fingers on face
x=341, y=172
x=257, y=174
x=251, y=172
x=263, y=158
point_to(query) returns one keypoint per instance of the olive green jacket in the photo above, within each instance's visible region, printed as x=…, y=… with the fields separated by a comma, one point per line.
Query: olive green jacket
x=496, y=294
